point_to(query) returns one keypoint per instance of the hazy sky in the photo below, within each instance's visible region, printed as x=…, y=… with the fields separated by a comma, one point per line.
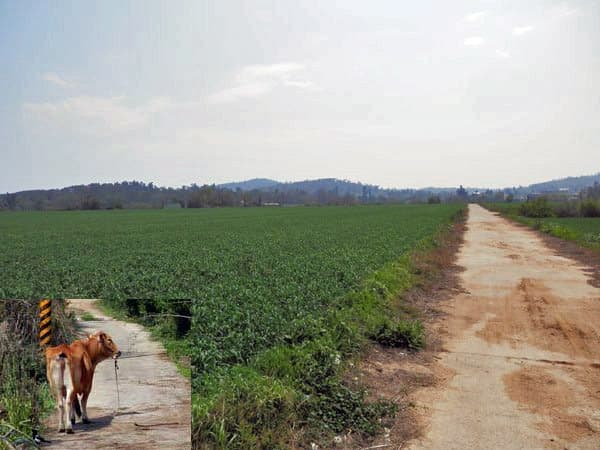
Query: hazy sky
x=395, y=93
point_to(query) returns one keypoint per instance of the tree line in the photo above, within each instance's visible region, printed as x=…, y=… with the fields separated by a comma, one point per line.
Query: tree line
x=140, y=195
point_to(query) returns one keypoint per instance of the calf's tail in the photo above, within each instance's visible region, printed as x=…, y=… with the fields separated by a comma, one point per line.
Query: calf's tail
x=61, y=376
x=59, y=366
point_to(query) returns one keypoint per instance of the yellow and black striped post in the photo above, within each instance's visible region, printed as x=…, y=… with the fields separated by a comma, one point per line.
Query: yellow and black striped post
x=45, y=322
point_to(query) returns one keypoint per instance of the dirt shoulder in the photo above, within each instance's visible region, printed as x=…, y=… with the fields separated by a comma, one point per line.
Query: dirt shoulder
x=154, y=399
x=396, y=374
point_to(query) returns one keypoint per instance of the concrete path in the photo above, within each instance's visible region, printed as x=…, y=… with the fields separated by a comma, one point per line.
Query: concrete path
x=521, y=351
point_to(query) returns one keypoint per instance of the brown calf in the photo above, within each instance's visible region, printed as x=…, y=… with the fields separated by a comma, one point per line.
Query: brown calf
x=70, y=371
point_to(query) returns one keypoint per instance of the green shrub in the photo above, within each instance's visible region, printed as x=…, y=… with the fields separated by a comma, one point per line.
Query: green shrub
x=558, y=230
x=590, y=208
x=335, y=407
x=326, y=403
x=405, y=333
x=537, y=208
x=566, y=209
x=592, y=238
x=243, y=409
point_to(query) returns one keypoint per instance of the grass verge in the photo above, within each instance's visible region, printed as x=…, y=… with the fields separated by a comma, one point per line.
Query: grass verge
x=86, y=316
x=569, y=229
x=293, y=395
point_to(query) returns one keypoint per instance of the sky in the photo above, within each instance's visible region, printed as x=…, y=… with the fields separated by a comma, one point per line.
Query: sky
x=399, y=94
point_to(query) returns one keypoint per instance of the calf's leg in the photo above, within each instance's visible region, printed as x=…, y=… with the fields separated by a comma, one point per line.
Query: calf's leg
x=69, y=410
x=60, y=405
x=84, y=415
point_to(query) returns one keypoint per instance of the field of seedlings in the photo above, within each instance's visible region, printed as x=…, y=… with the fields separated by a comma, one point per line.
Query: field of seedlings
x=202, y=253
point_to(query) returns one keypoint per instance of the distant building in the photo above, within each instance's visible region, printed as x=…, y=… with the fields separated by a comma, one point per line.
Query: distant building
x=271, y=204
x=560, y=195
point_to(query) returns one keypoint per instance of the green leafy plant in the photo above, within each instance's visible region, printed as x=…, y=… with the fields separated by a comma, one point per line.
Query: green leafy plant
x=536, y=208
x=405, y=333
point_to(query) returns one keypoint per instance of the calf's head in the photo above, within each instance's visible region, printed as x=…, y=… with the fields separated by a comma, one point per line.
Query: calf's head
x=105, y=347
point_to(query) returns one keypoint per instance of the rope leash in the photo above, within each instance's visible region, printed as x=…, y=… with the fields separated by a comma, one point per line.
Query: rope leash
x=118, y=406
x=140, y=355
x=117, y=386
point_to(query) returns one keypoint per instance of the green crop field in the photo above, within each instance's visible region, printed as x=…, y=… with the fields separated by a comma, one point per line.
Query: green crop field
x=202, y=253
x=276, y=296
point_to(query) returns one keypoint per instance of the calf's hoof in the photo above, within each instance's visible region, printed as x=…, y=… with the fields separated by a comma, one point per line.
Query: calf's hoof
x=69, y=430
x=61, y=430
x=86, y=420
x=72, y=422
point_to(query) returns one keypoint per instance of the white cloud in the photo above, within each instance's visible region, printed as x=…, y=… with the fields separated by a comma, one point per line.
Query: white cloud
x=502, y=54
x=268, y=70
x=299, y=84
x=519, y=31
x=476, y=16
x=474, y=41
x=97, y=114
x=247, y=90
x=564, y=10
x=56, y=79
x=260, y=79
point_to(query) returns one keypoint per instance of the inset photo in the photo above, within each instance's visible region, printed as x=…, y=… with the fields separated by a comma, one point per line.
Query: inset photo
x=82, y=373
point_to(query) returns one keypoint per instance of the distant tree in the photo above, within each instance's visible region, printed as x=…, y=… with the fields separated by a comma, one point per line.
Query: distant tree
x=90, y=202
x=593, y=191
x=434, y=199
x=11, y=201
x=461, y=192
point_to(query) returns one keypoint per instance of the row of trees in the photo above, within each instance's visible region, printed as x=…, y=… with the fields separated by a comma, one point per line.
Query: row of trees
x=137, y=194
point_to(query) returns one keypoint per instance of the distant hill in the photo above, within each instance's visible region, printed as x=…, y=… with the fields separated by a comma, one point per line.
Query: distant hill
x=250, y=185
x=340, y=187
x=574, y=184
x=256, y=192
x=343, y=187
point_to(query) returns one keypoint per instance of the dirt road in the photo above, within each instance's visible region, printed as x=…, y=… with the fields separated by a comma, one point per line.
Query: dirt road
x=154, y=398
x=520, y=366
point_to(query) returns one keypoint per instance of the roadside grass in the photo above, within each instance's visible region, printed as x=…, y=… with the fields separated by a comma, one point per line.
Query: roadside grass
x=88, y=317
x=585, y=231
x=295, y=394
